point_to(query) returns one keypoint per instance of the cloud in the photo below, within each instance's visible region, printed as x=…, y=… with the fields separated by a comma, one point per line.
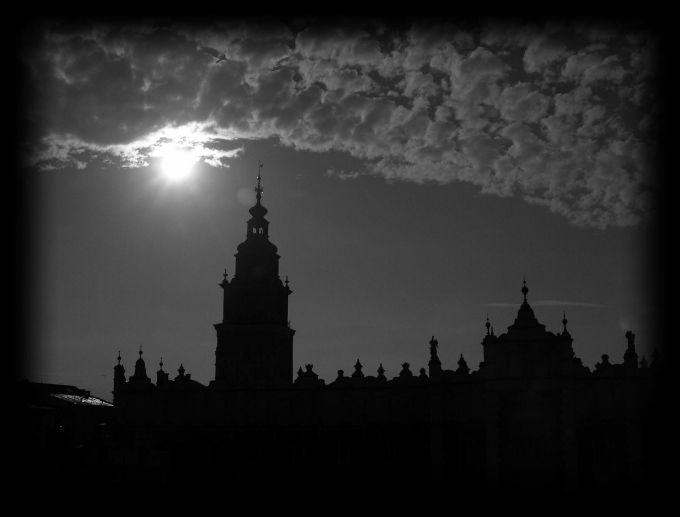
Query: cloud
x=549, y=303
x=561, y=117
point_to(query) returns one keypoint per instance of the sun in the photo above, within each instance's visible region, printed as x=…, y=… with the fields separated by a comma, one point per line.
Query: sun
x=177, y=163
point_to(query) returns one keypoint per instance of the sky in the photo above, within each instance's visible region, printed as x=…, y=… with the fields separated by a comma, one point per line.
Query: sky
x=415, y=172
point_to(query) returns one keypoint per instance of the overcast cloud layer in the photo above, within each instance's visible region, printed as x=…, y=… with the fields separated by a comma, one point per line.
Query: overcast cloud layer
x=563, y=116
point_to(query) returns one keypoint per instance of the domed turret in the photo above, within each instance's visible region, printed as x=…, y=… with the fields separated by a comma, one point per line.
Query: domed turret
x=140, y=369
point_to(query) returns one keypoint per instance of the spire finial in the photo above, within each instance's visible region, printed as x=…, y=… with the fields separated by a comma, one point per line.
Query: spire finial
x=488, y=324
x=564, y=320
x=161, y=363
x=140, y=351
x=525, y=289
x=258, y=189
x=224, y=275
x=118, y=356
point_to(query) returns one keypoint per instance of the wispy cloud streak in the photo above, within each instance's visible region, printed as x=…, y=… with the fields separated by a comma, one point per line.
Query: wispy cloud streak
x=548, y=303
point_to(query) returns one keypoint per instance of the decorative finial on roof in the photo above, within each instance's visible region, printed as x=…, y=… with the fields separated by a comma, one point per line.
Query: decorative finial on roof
x=463, y=366
x=224, y=275
x=140, y=351
x=181, y=370
x=358, y=374
x=525, y=289
x=488, y=325
x=564, y=320
x=161, y=363
x=118, y=356
x=381, y=371
x=258, y=189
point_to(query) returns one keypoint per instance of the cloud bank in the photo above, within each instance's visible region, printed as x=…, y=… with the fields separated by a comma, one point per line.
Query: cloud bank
x=563, y=116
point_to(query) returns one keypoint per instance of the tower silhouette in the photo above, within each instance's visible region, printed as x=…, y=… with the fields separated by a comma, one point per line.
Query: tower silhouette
x=254, y=340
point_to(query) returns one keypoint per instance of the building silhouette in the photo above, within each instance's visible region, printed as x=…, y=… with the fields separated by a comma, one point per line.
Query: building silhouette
x=532, y=417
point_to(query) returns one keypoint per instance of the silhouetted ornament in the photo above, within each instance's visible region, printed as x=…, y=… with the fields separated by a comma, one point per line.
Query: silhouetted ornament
x=630, y=357
x=358, y=374
x=118, y=372
x=525, y=316
x=405, y=372
x=308, y=378
x=381, y=372
x=161, y=376
x=462, y=366
x=140, y=368
x=604, y=365
x=181, y=370
x=434, y=344
x=258, y=189
x=488, y=325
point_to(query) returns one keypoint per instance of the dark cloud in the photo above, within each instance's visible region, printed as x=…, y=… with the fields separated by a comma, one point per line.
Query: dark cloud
x=557, y=116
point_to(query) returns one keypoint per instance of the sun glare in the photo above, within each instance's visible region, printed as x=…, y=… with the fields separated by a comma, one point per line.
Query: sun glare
x=177, y=164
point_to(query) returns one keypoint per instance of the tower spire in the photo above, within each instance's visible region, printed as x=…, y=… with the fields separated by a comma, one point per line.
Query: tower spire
x=525, y=289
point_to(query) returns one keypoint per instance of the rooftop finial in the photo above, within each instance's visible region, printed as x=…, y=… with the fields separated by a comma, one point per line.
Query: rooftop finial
x=140, y=351
x=161, y=363
x=258, y=189
x=525, y=289
x=564, y=320
x=488, y=325
x=118, y=356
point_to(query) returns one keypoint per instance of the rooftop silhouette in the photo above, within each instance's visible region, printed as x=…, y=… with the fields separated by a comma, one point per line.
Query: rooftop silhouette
x=530, y=417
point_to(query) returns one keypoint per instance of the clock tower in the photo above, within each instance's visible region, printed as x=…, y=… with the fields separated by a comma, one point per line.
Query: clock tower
x=254, y=339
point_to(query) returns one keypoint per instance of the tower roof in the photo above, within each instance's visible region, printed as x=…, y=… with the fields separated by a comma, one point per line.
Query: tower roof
x=526, y=319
